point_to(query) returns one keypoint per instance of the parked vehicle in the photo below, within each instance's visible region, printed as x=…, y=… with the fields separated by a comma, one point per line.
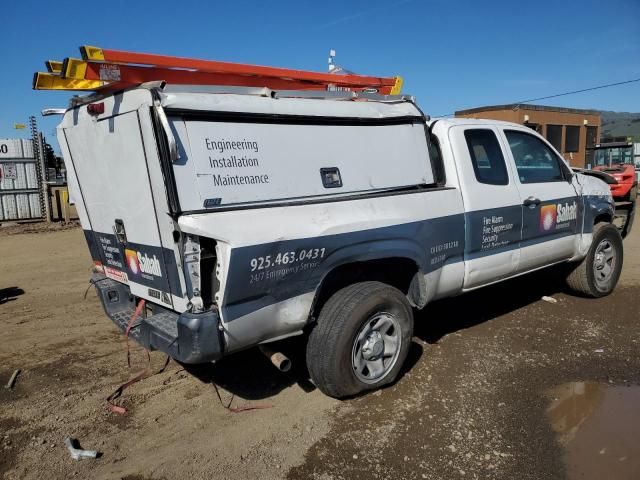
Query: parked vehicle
x=246, y=216
x=616, y=159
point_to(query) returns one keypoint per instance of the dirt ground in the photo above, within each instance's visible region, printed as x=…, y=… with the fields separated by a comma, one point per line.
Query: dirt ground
x=471, y=403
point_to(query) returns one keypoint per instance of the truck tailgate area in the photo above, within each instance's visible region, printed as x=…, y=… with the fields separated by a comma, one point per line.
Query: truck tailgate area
x=186, y=337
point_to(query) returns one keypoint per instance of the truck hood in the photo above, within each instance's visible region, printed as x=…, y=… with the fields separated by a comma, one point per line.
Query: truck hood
x=590, y=185
x=605, y=177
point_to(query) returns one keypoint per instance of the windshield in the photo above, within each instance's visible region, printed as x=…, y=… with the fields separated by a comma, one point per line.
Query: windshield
x=613, y=156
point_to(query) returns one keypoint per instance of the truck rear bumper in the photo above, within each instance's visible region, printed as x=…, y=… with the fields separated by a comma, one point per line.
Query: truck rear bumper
x=186, y=337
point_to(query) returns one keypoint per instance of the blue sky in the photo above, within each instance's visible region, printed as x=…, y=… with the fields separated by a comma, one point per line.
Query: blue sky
x=452, y=54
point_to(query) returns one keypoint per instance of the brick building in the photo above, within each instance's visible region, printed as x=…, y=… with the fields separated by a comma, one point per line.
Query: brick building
x=569, y=130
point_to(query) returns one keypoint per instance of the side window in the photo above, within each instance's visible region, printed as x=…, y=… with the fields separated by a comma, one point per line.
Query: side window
x=536, y=163
x=436, y=159
x=486, y=157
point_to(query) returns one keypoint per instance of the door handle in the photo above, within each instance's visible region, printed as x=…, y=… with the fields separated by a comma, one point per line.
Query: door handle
x=531, y=202
x=120, y=232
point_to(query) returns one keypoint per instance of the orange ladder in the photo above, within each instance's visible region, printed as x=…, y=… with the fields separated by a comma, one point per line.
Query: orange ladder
x=103, y=70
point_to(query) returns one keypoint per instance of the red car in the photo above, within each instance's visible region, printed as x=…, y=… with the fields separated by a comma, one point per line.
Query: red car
x=616, y=159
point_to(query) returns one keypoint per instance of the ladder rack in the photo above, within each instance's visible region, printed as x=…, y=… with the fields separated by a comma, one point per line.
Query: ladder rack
x=103, y=71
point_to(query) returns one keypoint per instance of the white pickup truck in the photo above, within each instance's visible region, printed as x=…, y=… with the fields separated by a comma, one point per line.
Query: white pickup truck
x=242, y=216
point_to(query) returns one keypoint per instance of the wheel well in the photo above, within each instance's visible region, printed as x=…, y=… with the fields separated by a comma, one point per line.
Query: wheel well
x=398, y=272
x=603, y=217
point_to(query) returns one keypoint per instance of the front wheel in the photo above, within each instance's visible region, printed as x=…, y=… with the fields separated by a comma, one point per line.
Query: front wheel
x=598, y=273
x=361, y=339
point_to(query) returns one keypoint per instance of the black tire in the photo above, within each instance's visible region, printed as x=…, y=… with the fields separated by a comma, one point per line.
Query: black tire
x=342, y=321
x=584, y=278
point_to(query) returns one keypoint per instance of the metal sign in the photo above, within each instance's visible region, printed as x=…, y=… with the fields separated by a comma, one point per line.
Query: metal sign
x=9, y=171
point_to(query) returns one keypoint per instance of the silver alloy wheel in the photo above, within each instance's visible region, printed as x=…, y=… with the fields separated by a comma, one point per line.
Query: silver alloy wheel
x=604, y=263
x=376, y=347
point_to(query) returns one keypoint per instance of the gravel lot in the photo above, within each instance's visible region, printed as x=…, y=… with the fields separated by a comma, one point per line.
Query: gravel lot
x=473, y=402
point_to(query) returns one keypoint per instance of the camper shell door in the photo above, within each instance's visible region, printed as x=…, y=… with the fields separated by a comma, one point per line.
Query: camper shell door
x=117, y=182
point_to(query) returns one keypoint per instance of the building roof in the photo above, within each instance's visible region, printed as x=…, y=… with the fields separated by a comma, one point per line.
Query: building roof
x=526, y=106
x=470, y=121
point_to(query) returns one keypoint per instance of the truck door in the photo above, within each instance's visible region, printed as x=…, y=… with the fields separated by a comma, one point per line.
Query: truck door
x=111, y=164
x=550, y=206
x=493, y=211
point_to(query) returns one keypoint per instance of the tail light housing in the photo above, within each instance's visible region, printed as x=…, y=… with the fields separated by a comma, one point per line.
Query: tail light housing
x=95, y=108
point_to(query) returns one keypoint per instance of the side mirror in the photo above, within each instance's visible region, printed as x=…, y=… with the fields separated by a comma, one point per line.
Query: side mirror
x=568, y=175
x=566, y=170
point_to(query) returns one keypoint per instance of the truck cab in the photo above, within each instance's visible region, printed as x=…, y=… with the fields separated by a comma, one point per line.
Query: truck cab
x=523, y=205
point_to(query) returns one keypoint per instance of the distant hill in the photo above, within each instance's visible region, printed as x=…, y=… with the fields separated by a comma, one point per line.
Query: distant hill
x=620, y=124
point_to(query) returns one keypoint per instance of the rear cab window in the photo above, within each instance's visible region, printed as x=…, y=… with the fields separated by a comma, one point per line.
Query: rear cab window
x=486, y=156
x=435, y=154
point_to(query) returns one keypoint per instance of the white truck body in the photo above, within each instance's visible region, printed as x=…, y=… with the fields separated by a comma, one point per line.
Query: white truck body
x=242, y=207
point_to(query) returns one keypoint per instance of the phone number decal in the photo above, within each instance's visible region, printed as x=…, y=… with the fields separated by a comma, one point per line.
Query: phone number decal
x=286, y=258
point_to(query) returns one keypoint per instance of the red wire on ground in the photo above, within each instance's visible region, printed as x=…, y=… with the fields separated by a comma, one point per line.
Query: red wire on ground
x=118, y=392
x=136, y=314
x=120, y=410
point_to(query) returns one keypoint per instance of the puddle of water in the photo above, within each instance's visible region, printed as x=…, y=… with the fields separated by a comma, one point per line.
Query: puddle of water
x=599, y=427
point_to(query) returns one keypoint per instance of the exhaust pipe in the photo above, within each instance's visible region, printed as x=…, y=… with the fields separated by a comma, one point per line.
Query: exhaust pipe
x=279, y=360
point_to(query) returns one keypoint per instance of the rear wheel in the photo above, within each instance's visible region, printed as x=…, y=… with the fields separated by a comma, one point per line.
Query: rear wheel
x=598, y=273
x=361, y=339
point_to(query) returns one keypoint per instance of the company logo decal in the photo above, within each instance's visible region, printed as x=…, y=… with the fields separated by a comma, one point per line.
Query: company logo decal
x=132, y=261
x=567, y=212
x=548, y=215
x=141, y=263
x=555, y=216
